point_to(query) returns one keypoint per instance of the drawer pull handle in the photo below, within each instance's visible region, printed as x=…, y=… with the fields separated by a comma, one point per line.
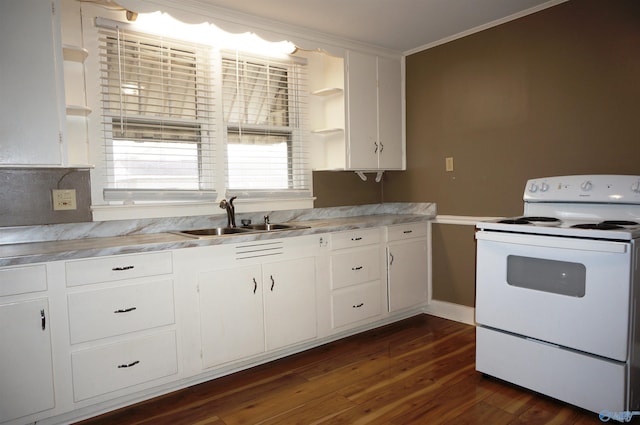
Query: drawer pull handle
x=356, y=268
x=121, y=269
x=122, y=366
x=356, y=238
x=391, y=258
x=358, y=305
x=43, y=319
x=255, y=285
x=406, y=232
x=273, y=282
x=125, y=310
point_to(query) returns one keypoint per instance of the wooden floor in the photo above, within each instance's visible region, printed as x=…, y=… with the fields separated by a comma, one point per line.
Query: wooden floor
x=418, y=371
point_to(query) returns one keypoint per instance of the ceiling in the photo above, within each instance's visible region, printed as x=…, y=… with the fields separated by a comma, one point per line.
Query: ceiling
x=401, y=25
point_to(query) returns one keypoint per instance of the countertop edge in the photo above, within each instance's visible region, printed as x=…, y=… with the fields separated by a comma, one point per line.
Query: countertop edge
x=40, y=252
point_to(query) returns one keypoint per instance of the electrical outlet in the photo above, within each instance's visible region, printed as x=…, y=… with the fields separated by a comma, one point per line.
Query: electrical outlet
x=448, y=163
x=64, y=199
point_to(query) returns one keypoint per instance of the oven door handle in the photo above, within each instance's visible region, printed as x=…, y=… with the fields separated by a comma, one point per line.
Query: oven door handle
x=554, y=242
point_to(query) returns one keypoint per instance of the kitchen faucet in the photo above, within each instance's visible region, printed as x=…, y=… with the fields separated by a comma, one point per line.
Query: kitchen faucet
x=231, y=211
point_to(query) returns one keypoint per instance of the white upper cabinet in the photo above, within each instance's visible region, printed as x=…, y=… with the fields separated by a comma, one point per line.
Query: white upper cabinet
x=374, y=112
x=31, y=105
x=356, y=112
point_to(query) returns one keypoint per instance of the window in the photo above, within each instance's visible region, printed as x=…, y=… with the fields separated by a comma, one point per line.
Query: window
x=163, y=101
x=266, y=151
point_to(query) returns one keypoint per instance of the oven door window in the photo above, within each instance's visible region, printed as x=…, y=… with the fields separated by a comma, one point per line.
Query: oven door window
x=557, y=277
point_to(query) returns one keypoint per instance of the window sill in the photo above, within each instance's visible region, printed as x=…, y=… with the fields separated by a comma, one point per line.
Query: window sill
x=186, y=209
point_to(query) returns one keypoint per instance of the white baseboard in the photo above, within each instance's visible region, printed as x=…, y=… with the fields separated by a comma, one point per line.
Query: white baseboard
x=447, y=310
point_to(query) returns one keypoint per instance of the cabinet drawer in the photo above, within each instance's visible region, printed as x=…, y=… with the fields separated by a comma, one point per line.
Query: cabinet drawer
x=115, y=311
x=354, y=238
x=354, y=267
x=350, y=305
x=406, y=231
x=118, y=267
x=22, y=280
x=117, y=366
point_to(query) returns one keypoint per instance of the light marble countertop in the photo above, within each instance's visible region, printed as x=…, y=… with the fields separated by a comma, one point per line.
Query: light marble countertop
x=94, y=244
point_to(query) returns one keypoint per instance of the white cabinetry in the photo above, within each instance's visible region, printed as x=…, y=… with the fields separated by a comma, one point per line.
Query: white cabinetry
x=374, y=112
x=356, y=112
x=26, y=371
x=32, y=106
x=356, y=290
x=121, y=323
x=407, y=265
x=264, y=306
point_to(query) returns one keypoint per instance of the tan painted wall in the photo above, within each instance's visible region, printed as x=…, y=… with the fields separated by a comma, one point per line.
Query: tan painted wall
x=553, y=93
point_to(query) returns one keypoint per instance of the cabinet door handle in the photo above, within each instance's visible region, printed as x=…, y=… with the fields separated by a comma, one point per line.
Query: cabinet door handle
x=120, y=269
x=406, y=232
x=43, y=319
x=273, y=282
x=358, y=305
x=125, y=310
x=376, y=149
x=391, y=258
x=356, y=268
x=255, y=285
x=122, y=366
x=381, y=147
x=357, y=238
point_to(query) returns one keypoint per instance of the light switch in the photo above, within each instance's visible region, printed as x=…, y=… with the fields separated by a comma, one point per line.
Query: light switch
x=448, y=163
x=64, y=199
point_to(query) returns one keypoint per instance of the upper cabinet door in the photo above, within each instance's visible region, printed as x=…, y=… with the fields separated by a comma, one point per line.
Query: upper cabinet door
x=362, y=115
x=31, y=109
x=390, y=114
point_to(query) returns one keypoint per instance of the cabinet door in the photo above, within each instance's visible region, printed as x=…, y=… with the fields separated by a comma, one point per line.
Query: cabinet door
x=26, y=373
x=390, y=114
x=290, y=306
x=31, y=111
x=407, y=274
x=231, y=314
x=362, y=115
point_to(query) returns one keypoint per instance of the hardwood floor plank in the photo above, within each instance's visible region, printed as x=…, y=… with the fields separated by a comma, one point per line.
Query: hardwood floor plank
x=417, y=371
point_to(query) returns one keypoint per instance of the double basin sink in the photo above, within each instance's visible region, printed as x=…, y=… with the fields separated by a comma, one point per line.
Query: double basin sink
x=251, y=228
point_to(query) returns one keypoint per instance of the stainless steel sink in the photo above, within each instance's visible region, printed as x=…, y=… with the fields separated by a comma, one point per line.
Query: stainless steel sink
x=216, y=231
x=251, y=228
x=269, y=227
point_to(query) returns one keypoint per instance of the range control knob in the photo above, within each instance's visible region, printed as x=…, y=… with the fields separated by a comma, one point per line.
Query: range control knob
x=636, y=187
x=533, y=188
x=586, y=185
x=544, y=187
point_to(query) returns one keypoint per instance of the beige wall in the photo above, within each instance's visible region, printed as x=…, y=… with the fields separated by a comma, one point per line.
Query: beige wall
x=553, y=93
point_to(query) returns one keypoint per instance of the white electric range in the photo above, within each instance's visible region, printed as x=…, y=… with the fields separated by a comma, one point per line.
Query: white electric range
x=557, y=290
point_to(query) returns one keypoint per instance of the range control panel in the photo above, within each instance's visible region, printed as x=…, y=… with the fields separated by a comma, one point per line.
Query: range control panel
x=598, y=188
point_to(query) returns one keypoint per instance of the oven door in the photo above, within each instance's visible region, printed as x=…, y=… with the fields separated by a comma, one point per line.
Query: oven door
x=570, y=292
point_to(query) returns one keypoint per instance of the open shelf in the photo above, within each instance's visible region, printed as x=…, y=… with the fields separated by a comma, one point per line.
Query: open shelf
x=74, y=53
x=330, y=91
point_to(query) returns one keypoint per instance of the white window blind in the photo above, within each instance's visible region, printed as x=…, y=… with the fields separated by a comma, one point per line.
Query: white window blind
x=158, y=116
x=264, y=102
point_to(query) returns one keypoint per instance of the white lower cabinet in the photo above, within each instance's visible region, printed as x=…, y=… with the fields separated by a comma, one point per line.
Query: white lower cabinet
x=247, y=310
x=131, y=326
x=26, y=371
x=355, y=303
x=356, y=286
x=122, y=330
x=126, y=363
x=407, y=265
x=290, y=303
x=231, y=314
